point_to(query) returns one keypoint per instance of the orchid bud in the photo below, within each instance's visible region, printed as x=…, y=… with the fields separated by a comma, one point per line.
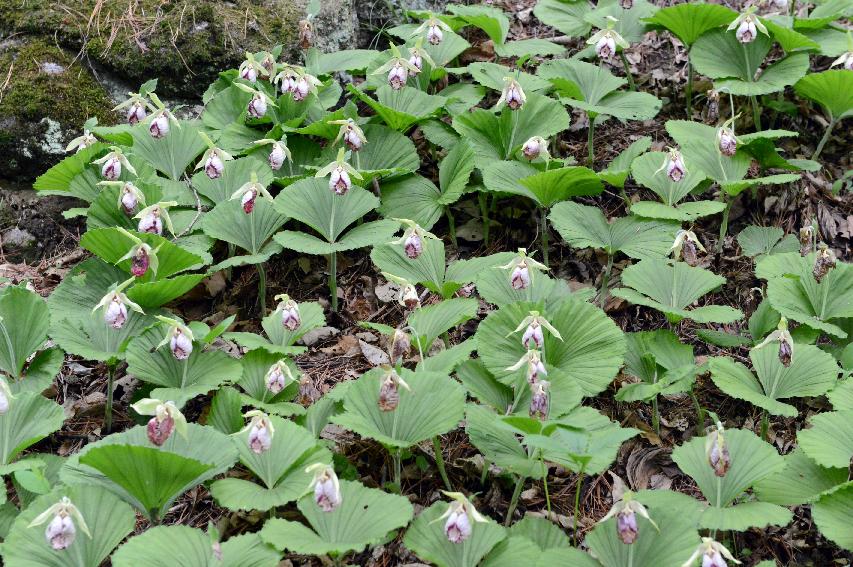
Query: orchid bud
x=277, y=377
x=288, y=83
x=339, y=181
x=746, y=31
x=249, y=74
x=417, y=62
x=276, y=159
x=151, y=222
x=290, y=318
x=457, y=528
x=389, y=390
x=727, y=142
x=136, y=113
x=786, y=352
x=301, y=89
x=718, y=452
x=625, y=509
x=434, y=35
x=306, y=34
x=397, y=76
x=533, y=334
x=806, y=236
x=111, y=170
x=307, y=391
x=532, y=148
x=248, y=201
x=139, y=262
x=401, y=345
x=257, y=106
x=260, y=436
x=129, y=200
x=116, y=313
x=520, y=278
x=539, y=400
x=159, y=126
x=180, y=344
x=606, y=47
x=327, y=489
x=61, y=531
x=824, y=262
x=160, y=429
x=213, y=166
x=413, y=246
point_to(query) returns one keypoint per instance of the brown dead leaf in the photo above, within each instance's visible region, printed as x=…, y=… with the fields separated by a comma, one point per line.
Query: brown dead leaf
x=374, y=355
x=347, y=345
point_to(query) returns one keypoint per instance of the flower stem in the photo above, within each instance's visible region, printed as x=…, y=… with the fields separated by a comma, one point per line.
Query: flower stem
x=700, y=414
x=590, y=134
x=512, y=133
x=108, y=408
x=484, y=215
x=756, y=113
x=765, y=425
x=545, y=484
x=577, y=508
x=262, y=289
x=451, y=225
x=439, y=462
x=655, y=415
x=544, y=216
x=724, y=226
x=333, y=280
x=627, y=65
x=688, y=93
x=605, y=279
x=485, y=473
x=824, y=139
x=519, y=483
x=397, y=457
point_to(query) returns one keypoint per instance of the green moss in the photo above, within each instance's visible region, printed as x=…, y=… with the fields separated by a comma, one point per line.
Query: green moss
x=184, y=43
x=68, y=97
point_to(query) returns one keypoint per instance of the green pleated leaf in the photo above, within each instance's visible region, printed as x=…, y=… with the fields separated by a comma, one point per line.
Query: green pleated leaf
x=412, y=197
x=179, y=380
x=552, y=186
x=590, y=353
x=672, y=287
x=226, y=411
x=430, y=321
x=150, y=295
x=434, y=406
x=829, y=440
x=311, y=202
x=751, y=461
x=646, y=171
x=617, y=170
x=532, y=47
x=831, y=89
x=318, y=63
x=225, y=108
x=426, y=538
x=759, y=240
x=173, y=153
x=660, y=361
x=427, y=269
x=685, y=212
x=148, y=477
x=582, y=226
x=167, y=546
x=491, y=75
x=491, y=20
x=483, y=386
x=498, y=444
x=567, y=17
x=494, y=286
x=58, y=179
x=833, y=514
x=454, y=171
x=30, y=419
x=24, y=322
x=699, y=147
x=385, y=152
x=801, y=481
x=280, y=339
x=256, y=363
x=111, y=245
x=744, y=516
x=235, y=175
x=109, y=521
x=401, y=108
x=227, y=221
x=690, y=21
x=364, y=517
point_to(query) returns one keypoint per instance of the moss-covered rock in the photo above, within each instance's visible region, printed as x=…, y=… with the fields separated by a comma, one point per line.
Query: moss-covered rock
x=48, y=97
x=183, y=43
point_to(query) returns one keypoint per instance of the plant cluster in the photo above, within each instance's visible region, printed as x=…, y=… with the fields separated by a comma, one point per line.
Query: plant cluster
x=282, y=160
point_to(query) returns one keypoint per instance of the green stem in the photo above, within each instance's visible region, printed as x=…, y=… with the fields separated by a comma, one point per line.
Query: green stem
x=262, y=289
x=724, y=226
x=756, y=113
x=765, y=425
x=689, y=90
x=232, y=249
x=590, y=134
x=544, y=216
x=439, y=462
x=577, y=508
x=512, y=133
x=519, y=483
x=484, y=215
x=397, y=457
x=630, y=556
x=333, y=279
x=485, y=472
x=655, y=415
x=108, y=408
x=451, y=225
x=627, y=65
x=824, y=139
x=545, y=483
x=358, y=161
x=605, y=280
x=700, y=414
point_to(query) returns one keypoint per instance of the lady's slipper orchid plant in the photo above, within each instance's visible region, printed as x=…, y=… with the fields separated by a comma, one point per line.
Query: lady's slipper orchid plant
x=398, y=69
x=713, y=554
x=115, y=304
x=141, y=255
x=533, y=337
x=289, y=309
x=520, y=275
x=112, y=164
x=408, y=294
x=460, y=514
x=417, y=56
x=535, y=368
x=84, y=140
x=278, y=376
x=179, y=337
x=339, y=172
x=539, y=399
x=824, y=262
x=260, y=430
x=137, y=107
x=747, y=26
x=686, y=245
x=259, y=102
x=213, y=160
x=160, y=120
x=718, y=451
x=327, y=488
x=674, y=165
x=512, y=95
x=279, y=152
x=412, y=239
x=153, y=218
x=785, y=340
x=606, y=40
x=167, y=418
x=248, y=192
x=536, y=147
x=250, y=69
x=626, y=509
x=351, y=134
x=60, y=531
x=434, y=28
x=389, y=390
x=297, y=82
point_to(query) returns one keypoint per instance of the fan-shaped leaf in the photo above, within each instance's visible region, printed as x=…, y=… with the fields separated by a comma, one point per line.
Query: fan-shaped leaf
x=171, y=154
x=251, y=231
x=831, y=89
x=29, y=419
x=567, y=17
x=412, y=197
x=646, y=171
x=690, y=21
x=829, y=440
x=235, y=174
x=801, y=481
x=111, y=245
x=400, y=108
x=24, y=321
x=833, y=514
